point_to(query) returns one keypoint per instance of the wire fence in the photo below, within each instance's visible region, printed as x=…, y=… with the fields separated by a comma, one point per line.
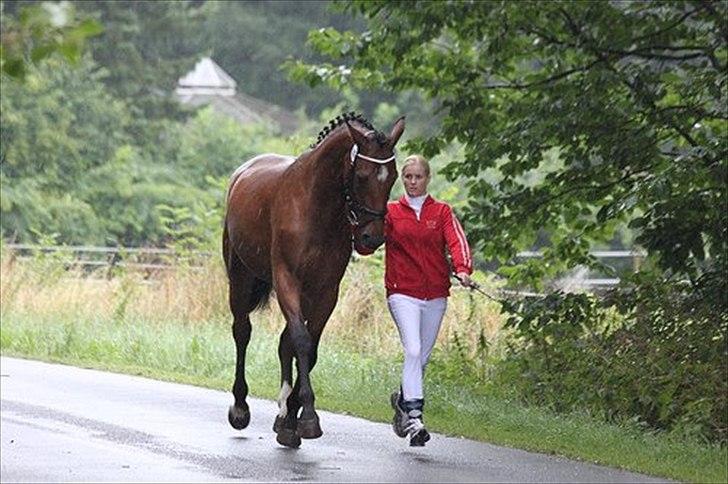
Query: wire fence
x=146, y=259
x=153, y=259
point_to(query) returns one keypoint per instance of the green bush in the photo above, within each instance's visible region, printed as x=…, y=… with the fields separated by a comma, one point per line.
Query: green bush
x=654, y=356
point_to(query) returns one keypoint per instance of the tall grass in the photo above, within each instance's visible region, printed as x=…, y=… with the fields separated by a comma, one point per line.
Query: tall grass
x=178, y=320
x=44, y=288
x=176, y=326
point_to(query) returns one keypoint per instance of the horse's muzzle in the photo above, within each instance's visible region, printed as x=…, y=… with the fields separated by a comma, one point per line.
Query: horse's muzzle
x=372, y=241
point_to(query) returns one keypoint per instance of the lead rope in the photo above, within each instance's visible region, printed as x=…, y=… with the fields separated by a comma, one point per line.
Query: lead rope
x=474, y=286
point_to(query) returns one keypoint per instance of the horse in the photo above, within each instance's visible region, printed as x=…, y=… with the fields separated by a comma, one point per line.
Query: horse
x=290, y=226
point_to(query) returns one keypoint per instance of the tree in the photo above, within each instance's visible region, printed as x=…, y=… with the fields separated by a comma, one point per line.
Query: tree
x=630, y=97
x=144, y=49
x=33, y=32
x=631, y=94
x=265, y=33
x=70, y=169
x=57, y=126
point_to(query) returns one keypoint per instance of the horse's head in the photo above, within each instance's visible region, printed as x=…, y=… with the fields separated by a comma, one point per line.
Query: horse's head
x=372, y=172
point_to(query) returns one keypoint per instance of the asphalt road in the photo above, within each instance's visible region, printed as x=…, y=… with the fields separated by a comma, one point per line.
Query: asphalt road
x=60, y=423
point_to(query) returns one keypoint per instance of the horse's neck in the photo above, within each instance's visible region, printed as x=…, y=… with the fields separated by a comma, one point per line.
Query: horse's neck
x=323, y=171
x=325, y=165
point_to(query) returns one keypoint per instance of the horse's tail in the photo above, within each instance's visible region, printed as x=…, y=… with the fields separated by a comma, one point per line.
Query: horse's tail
x=261, y=293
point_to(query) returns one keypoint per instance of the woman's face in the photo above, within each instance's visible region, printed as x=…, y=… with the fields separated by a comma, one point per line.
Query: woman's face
x=415, y=180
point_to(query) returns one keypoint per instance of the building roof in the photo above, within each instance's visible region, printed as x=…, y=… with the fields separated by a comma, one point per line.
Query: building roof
x=206, y=78
x=209, y=84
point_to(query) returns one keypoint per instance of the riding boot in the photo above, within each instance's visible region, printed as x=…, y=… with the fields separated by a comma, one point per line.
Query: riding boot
x=399, y=421
x=415, y=427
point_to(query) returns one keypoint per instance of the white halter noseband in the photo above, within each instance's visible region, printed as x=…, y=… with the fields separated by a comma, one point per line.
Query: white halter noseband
x=355, y=153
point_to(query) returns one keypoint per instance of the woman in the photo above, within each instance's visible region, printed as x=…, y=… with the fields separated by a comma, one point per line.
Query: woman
x=419, y=230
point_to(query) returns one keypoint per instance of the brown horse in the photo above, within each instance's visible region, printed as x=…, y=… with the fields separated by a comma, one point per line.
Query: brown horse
x=290, y=225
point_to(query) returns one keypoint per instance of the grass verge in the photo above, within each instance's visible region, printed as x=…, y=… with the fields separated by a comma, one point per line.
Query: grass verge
x=348, y=380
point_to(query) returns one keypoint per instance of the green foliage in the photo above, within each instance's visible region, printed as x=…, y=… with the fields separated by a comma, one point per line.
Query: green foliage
x=680, y=333
x=38, y=32
x=92, y=152
x=631, y=94
x=265, y=34
x=57, y=126
x=47, y=268
x=211, y=144
x=190, y=229
x=660, y=362
x=60, y=122
x=578, y=119
x=70, y=168
x=144, y=49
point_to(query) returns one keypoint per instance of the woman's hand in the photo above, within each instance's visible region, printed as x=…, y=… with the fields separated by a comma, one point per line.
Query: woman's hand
x=464, y=279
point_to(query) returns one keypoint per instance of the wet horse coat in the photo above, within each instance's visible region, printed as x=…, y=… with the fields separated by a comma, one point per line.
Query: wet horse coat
x=289, y=225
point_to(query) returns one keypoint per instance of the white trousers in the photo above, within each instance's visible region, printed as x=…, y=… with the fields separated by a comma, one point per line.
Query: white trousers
x=418, y=322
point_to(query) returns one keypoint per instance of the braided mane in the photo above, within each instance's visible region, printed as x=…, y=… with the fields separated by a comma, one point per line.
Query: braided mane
x=341, y=119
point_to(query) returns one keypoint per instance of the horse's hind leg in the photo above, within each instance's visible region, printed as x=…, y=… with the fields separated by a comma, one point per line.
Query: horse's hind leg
x=246, y=292
x=239, y=413
x=286, y=420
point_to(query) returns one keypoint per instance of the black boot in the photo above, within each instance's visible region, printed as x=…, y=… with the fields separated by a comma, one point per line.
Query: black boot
x=399, y=421
x=415, y=427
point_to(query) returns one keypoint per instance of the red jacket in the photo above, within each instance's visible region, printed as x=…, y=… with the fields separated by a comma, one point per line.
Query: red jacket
x=415, y=249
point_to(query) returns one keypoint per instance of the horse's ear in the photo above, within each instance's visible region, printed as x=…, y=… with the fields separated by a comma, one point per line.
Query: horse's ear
x=356, y=136
x=397, y=131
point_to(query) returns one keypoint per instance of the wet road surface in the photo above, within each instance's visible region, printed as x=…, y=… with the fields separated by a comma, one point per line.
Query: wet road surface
x=60, y=423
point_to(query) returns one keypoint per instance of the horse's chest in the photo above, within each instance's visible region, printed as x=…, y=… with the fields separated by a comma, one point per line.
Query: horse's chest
x=322, y=263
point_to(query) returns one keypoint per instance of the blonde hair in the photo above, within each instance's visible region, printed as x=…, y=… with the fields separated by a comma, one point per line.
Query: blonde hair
x=412, y=159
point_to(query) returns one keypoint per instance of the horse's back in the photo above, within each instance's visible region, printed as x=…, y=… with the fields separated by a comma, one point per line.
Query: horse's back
x=258, y=173
x=247, y=220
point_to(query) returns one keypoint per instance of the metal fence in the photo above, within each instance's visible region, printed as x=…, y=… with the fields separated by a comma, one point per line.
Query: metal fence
x=581, y=277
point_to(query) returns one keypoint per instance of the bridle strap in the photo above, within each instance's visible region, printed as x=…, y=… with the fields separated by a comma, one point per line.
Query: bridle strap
x=355, y=154
x=355, y=208
x=376, y=160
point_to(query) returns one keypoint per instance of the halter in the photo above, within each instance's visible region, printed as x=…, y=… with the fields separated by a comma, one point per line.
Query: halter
x=355, y=154
x=355, y=207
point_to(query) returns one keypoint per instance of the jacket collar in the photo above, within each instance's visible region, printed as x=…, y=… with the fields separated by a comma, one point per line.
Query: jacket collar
x=428, y=200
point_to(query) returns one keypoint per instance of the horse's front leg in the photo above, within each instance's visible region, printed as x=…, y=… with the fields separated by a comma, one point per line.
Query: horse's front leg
x=288, y=289
x=317, y=308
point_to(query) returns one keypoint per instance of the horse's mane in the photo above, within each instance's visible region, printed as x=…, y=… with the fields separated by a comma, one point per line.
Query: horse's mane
x=341, y=119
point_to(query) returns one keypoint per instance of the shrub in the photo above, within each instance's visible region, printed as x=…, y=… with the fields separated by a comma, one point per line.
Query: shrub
x=655, y=355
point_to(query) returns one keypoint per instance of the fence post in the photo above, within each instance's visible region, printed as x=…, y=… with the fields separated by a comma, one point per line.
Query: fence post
x=636, y=261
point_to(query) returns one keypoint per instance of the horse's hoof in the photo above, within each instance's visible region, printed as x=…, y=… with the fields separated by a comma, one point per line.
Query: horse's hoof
x=238, y=417
x=288, y=438
x=278, y=424
x=309, y=428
